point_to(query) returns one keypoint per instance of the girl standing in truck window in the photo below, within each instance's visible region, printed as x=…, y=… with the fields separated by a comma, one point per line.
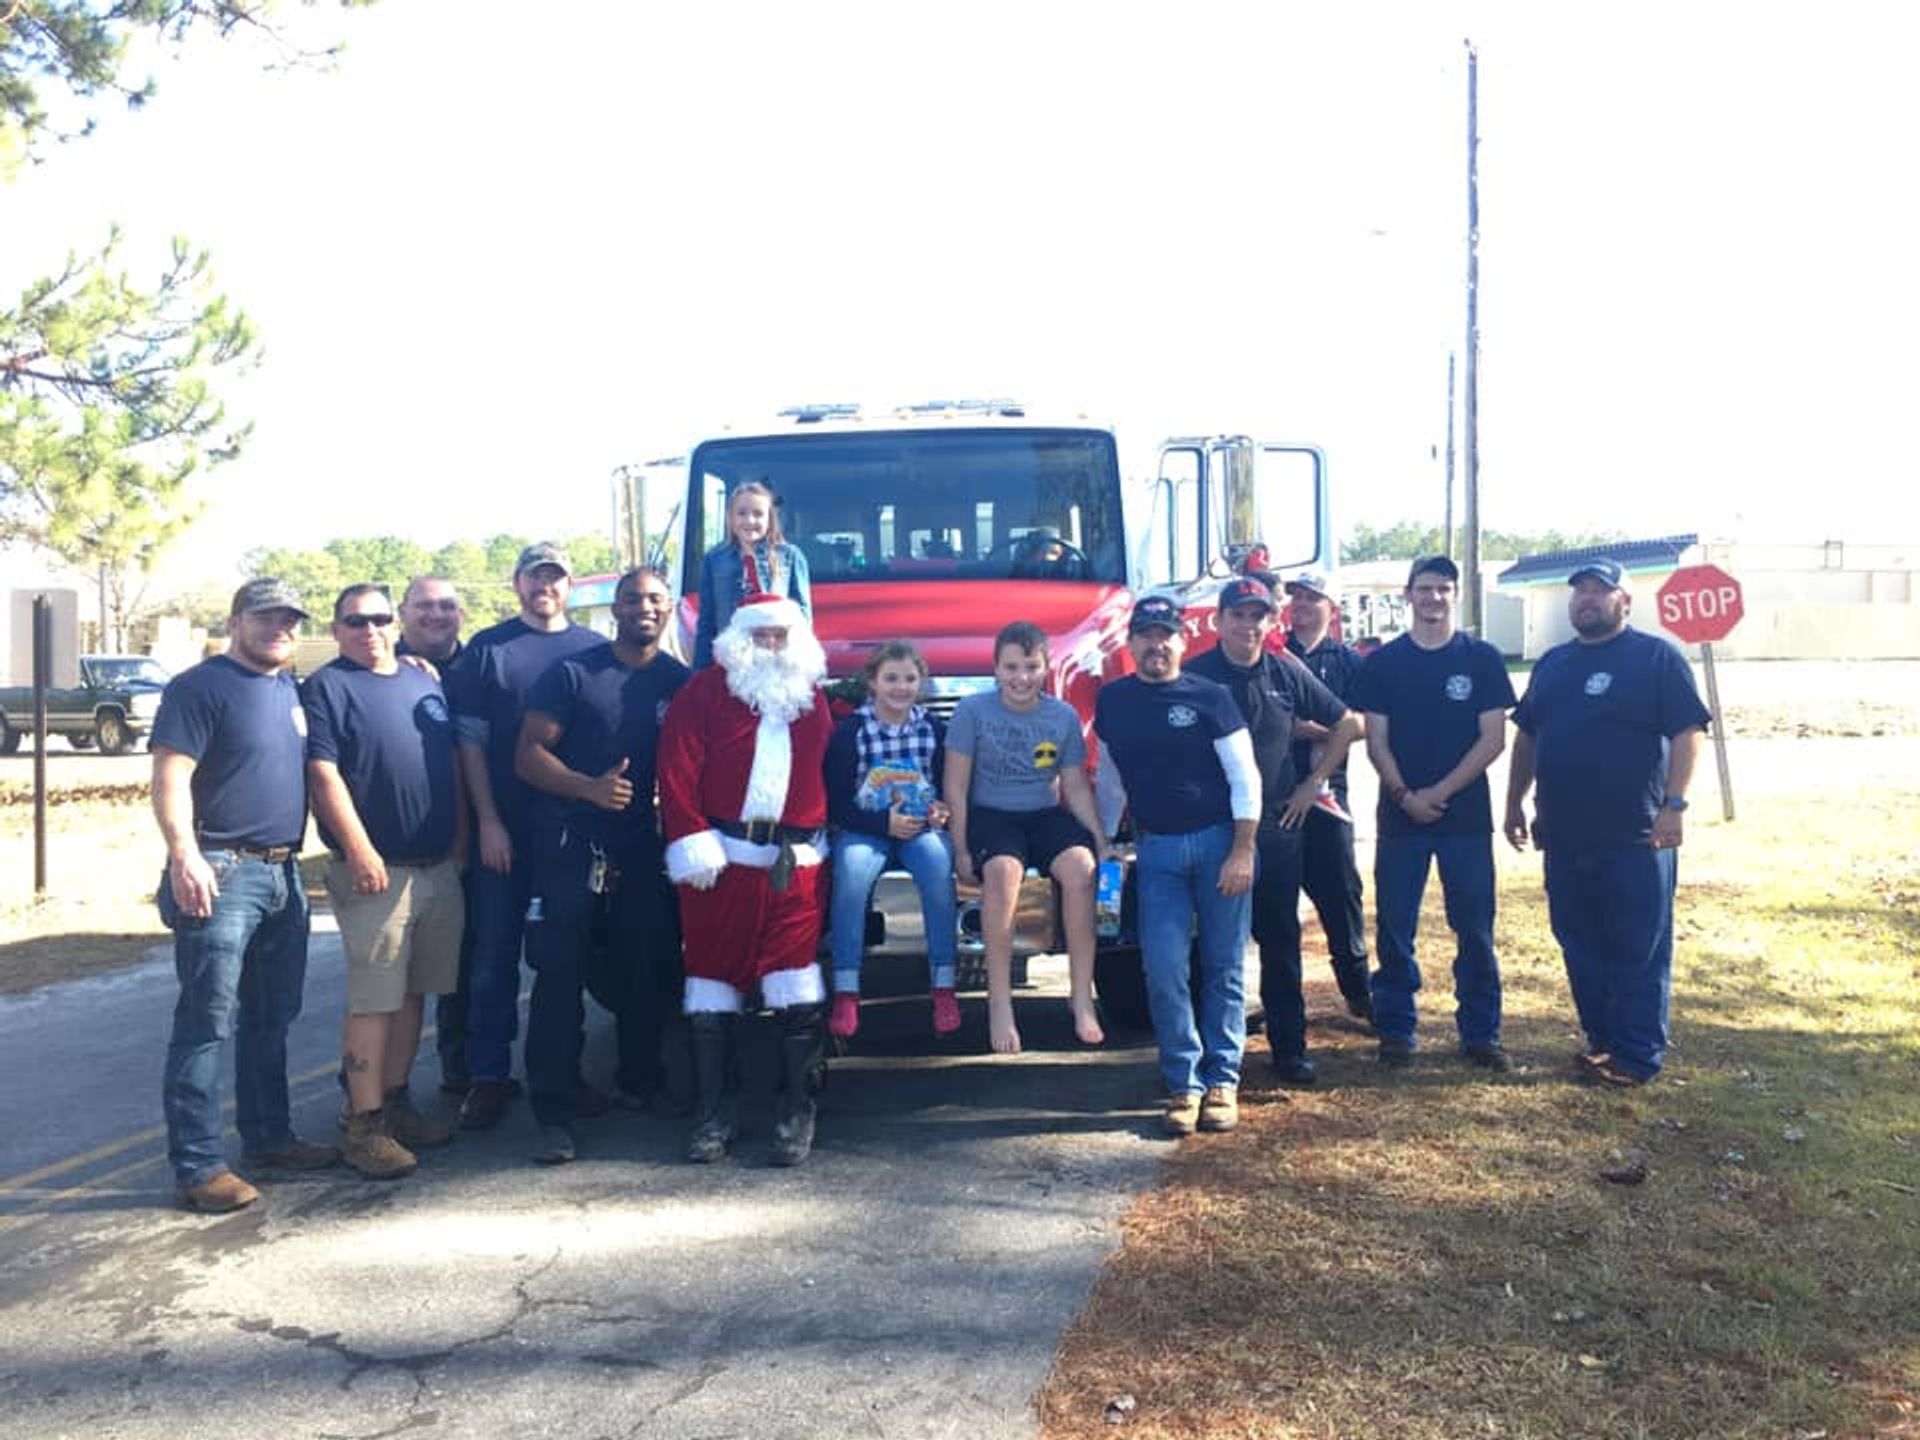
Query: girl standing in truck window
x=883, y=801
x=755, y=559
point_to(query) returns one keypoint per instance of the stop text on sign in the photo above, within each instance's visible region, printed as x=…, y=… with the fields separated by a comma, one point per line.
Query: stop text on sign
x=1701, y=603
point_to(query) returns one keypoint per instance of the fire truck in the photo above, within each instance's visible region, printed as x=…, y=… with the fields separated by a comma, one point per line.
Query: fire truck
x=941, y=522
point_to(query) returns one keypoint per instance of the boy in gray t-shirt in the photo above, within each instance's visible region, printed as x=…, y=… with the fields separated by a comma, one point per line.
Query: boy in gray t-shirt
x=1017, y=783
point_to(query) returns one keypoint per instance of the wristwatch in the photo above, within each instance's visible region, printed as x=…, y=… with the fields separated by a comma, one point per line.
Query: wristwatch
x=1675, y=802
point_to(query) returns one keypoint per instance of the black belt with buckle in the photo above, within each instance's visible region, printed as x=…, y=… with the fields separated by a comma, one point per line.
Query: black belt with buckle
x=271, y=855
x=762, y=832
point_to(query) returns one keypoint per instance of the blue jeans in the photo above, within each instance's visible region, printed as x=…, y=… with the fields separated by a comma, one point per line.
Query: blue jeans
x=1612, y=913
x=1179, y=879
x=496, y=919
x=1400, y=865
x=858, y=861
x=241, y=971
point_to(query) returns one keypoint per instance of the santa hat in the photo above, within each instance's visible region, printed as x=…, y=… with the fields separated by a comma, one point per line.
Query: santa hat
x=763, y=611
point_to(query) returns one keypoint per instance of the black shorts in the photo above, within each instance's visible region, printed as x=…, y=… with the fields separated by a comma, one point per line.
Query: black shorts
x=1033, y=837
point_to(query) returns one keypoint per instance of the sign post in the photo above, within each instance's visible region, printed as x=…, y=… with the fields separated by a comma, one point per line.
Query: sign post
x=1701, y=604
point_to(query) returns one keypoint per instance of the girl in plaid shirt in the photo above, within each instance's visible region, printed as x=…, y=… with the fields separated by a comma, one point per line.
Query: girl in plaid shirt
x=883, y=776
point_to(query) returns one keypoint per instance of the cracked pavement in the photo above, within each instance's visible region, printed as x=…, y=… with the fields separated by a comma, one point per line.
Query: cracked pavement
x=912, y=1279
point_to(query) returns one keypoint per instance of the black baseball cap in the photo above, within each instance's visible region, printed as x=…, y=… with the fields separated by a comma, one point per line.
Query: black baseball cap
x=1154, y=612
x=1433, y=565
x=1246, y=591
x=1602, y=568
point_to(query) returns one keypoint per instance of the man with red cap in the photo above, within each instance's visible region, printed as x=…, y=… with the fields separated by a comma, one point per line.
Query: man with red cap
x=743, y=800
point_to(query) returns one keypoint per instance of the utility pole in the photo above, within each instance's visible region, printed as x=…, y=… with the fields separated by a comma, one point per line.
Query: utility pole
x=1470, y=423
x=1446, y=536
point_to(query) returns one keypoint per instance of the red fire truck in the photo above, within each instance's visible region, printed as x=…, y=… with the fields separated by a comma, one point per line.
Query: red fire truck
x=941, y=522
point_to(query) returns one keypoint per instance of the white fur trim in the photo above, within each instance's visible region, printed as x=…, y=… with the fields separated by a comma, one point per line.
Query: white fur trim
x=761, y=857
x=712, y=997
x=783, y=989
x=783, y=612
x=772, y=769
x=695, y=854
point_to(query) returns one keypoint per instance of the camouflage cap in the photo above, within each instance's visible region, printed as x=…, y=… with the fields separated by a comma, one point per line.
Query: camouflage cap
x=267, y=593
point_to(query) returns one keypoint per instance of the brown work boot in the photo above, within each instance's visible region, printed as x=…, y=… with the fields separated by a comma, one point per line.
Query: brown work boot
x=296, y=1154
x=372, y=1151
x=1182, y=1115
x=411, y=1126
x=219, y=1194
x=1220, y=1108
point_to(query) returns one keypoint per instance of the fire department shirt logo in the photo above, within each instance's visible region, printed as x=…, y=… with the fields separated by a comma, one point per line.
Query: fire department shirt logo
x=299, y=717
x=1598, y=682
x=1046, y=755
x=1459, y=687
x=435, y=709
x=1181, y=717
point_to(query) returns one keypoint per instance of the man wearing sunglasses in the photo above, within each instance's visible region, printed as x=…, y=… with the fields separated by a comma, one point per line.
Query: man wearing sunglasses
x=229, y=751
x=380, y=768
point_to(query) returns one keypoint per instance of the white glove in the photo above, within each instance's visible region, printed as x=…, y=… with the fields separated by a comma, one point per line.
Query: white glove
x=703, y=879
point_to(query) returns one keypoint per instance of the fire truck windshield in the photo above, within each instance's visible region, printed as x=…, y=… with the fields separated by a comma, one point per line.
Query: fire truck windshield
x=903, y=505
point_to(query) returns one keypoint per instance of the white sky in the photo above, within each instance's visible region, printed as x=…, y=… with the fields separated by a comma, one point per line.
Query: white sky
x=504, y=248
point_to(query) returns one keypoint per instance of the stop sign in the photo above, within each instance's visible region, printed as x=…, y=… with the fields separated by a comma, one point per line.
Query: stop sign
x=1700, y=604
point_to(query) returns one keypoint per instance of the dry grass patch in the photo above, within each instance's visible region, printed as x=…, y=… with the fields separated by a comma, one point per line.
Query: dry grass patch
x=1438, y=1253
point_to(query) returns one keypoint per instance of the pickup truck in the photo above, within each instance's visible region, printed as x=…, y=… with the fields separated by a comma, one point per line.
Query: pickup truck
x=113, y=705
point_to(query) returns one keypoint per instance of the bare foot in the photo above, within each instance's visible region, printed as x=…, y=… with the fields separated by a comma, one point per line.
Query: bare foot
x=1001, y=1031
x=1086, y=1023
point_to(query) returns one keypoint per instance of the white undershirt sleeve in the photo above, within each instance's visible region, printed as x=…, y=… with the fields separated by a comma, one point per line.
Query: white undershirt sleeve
x=1243, y=775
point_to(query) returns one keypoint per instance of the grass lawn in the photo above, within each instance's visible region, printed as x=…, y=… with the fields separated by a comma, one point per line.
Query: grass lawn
x=1733, y=1251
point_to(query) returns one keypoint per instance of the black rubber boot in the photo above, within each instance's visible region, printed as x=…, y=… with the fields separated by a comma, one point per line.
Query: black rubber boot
x=712, y=1129
x=803, y=1073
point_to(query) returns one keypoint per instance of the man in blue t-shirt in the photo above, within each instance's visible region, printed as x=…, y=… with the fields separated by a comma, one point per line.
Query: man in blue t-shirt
x=1609, y=728
x=381, y=773
x=487, y=690
x=229, y=791
x=1275, y=695
x=1176, y=751
x=1435, y=702
x=587, y=746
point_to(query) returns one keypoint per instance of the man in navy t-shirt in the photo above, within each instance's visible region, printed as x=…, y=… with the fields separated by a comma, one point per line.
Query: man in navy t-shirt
x=487, y=689
x=1176, y=751
x=380, y=768
x=1435, y=702
x=1274, y=693
x=587, y=747
x=1609, y=728
x=229, y=791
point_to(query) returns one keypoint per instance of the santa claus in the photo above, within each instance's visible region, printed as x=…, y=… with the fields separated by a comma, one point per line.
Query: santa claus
x=744, y=804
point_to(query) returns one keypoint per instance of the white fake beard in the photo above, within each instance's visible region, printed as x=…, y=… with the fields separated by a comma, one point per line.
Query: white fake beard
x=774, y=684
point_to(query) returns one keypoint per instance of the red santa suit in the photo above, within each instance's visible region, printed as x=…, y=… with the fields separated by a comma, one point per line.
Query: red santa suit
x=722, y=766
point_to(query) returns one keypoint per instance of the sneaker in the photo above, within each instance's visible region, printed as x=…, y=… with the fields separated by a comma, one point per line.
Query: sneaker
x=845, y=1019
x=1293, y=1070
x=218, y=1195
x=374, y=1152
x=1488, y=1057
x=554, y=1147
x=486, y=1102
x=1182, y=1114
x=296, y=1154
x=1587, y=1062
x=1396, y=1054
x=413, y=1127
x=1220, y=1107
x=710, y=1140
x=946, y=1012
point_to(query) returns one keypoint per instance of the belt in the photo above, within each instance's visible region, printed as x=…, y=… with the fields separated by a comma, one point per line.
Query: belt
x=763, y=832
x=271, y=855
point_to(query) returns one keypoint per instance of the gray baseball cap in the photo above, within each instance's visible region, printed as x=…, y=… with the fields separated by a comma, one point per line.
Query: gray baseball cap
x=542, y=552
x=267, y=593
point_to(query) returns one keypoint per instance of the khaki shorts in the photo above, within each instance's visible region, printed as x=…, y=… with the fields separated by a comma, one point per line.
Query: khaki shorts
x=403, y=941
